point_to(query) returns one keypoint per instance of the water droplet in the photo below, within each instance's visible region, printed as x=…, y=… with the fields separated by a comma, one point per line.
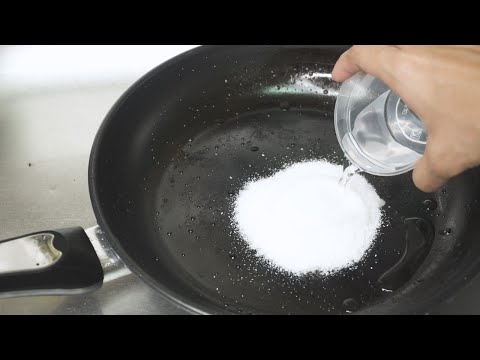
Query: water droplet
x=445, y=232
x=183, y=255
x=285, y=105
x=213, y=224
x=325, y=92
x=430, y=205
x=190, y=231
x=254, y=148
x=197, y=237
x=232, y=256
x=169, y=233
x=444, y=191
x=350, y=304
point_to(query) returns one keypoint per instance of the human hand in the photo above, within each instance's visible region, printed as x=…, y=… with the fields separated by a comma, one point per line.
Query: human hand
x=441, y=84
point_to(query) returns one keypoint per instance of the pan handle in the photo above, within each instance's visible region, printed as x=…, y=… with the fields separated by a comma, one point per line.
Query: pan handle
x=61, y=262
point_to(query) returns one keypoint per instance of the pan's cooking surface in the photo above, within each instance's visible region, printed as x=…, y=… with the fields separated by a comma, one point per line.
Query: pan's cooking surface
x=191, y=205
x=175, y=152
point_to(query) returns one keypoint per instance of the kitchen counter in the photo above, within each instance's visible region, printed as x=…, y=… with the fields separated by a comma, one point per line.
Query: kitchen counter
x=52, y=101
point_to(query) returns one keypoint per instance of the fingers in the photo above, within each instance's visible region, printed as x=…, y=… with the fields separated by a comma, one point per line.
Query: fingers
x=428, y=174
x=377, y=60
x=386, y=62
x=345, y=67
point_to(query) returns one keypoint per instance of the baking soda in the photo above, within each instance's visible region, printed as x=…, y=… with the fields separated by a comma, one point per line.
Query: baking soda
x=302, y=220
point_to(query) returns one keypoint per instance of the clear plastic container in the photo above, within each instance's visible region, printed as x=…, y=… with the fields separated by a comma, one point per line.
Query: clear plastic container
x=377, y=132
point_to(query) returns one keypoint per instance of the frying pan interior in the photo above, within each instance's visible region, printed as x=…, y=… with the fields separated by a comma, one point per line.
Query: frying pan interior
x=179, y=145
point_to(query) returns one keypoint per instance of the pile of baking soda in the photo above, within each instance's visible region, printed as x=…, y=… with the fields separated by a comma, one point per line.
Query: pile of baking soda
x=302, y=220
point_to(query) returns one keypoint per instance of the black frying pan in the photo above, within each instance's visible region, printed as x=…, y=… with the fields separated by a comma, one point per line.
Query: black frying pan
x=160, y=186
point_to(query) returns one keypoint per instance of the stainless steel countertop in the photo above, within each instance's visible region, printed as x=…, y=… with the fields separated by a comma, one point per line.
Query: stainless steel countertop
x=52, y=101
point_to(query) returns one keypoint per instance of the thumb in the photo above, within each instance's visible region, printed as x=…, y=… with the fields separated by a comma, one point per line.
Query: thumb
x=428, y=175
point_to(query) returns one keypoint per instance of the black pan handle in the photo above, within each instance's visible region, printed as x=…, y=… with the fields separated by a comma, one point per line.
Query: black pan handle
x=49, y=263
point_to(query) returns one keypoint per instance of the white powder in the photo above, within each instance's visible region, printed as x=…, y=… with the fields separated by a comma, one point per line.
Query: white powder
x=301, y=220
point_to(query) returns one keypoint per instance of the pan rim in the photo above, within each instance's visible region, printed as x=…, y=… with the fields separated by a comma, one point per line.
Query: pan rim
x=95, y=196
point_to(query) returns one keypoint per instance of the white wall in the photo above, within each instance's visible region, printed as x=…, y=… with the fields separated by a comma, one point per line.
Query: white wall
x=25, y=69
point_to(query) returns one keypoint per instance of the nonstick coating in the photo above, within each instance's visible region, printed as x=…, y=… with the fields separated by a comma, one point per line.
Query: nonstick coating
x=178, y=146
